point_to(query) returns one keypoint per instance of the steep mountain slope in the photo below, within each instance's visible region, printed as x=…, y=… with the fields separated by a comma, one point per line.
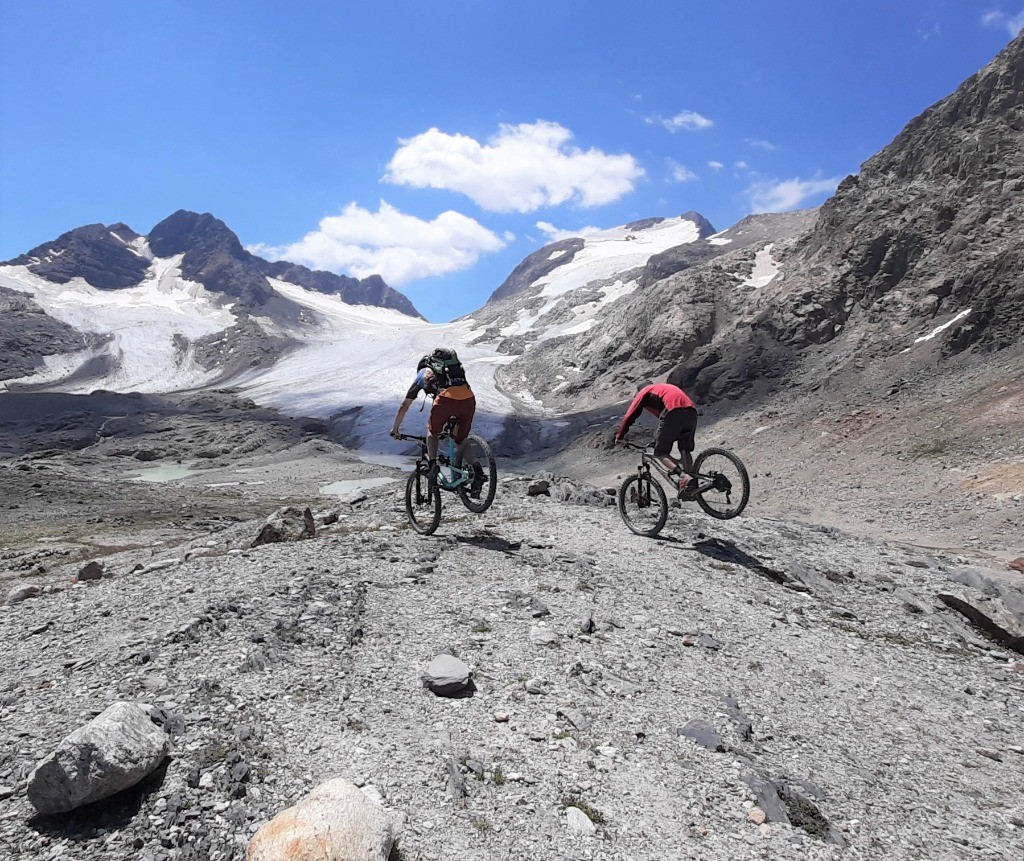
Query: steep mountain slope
x=677, y=300
x=918, y=258
x=566, y=287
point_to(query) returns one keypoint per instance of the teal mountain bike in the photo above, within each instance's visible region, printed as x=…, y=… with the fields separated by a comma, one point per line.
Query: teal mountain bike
x=467, y=469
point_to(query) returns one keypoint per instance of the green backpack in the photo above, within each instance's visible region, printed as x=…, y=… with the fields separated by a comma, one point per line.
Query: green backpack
x=446, y=366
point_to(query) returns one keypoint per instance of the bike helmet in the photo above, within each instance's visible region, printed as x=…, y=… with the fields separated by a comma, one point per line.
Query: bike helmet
x=423, y=362
x=426, y=380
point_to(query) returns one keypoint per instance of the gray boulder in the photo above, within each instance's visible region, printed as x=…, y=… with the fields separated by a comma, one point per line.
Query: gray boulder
x=113, y=752
x=289, y=523
x=22, y=593
x=447, y=676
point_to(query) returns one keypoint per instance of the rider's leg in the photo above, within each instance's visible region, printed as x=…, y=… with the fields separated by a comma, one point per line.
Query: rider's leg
x=668, y=433
x=687, y=426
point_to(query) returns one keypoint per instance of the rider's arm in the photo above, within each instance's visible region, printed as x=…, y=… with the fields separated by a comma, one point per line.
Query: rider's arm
x=631, y=414
x=400, y=415
x=410, y=397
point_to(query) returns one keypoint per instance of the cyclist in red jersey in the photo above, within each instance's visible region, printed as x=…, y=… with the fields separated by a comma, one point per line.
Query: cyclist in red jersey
x=678, y=418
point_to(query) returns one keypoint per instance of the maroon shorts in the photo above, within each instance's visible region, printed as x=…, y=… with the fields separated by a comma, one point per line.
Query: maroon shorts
x=445, y=408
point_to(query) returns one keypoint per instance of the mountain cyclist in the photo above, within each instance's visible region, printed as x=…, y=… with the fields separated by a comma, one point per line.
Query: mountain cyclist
x=678, y=423
x=440, y=374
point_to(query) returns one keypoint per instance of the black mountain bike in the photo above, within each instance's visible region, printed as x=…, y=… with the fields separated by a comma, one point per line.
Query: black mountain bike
x=723, y=489
x=468, y=470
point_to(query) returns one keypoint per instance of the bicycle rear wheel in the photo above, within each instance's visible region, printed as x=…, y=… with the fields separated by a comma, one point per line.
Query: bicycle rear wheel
x=474, y=456
x=643, y=505
x=726, y=481
x=422, y=508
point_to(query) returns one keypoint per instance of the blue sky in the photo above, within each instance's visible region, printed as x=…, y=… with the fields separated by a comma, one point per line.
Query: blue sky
x=439, y=143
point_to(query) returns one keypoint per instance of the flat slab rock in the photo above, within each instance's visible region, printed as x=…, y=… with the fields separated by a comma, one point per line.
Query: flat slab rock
x=447, y=676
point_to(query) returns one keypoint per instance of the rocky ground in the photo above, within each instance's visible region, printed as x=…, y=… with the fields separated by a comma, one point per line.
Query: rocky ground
x=743, y=689
x=787, y=685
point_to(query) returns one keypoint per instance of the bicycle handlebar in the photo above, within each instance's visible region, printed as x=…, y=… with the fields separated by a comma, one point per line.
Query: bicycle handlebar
x=409, y=438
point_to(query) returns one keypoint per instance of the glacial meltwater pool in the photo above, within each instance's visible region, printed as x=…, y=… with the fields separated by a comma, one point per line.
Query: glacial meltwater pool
x=161, y=473
x=352, y=485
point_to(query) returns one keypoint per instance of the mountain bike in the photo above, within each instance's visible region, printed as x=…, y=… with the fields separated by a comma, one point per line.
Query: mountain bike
x=723, y=489
x=467, y=469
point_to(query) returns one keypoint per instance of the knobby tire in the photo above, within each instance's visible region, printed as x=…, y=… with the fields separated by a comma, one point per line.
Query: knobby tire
x=424, y=516
x=639, y=494
x=474, y=453
x=743, y=491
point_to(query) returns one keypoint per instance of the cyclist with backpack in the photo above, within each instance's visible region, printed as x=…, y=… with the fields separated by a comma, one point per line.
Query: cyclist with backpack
x=440, y=374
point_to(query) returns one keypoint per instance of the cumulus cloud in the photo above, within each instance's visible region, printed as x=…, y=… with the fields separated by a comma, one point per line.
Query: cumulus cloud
x=742, y=165
x=689, y=121
x=759, y=143
x=1013, y=23
x=781, y=195
x=555, y=234
x=397, y=246
x=520, y=169
x=715, y=165
x=679, y=172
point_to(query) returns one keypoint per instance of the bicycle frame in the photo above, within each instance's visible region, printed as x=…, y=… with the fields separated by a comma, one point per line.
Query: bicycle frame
x=449, y=476
x=648, y=459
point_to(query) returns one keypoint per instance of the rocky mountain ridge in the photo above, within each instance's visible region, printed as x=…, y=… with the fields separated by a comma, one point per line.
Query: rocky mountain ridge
x=921, y=249
x=116, y=257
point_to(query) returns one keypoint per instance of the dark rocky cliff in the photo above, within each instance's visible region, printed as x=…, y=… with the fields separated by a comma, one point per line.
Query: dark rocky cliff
x=105, y=257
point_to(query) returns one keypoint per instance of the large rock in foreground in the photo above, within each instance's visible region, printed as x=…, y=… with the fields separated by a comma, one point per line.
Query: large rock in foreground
x=335, y=822
x=113, y=752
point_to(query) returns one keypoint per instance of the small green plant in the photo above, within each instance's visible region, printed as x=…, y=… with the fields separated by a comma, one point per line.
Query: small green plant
x=931, y=448
x=355, y=725
x=481, y=627
x=498, y=776
x=481, y=824
x=562, y=733
x=591, y=813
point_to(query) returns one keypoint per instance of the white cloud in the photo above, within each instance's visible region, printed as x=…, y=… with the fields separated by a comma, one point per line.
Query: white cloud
x=715, y=165
x=759, y=143
x=1013, y=23
x=689, y=121
x=679, y=172
x=781, y=195
x=742, y=165
x=555, y=234
x=398, y=247
x=520, y=169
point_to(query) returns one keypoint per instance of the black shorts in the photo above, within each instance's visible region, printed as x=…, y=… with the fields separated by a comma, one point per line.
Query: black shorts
x=676, y=426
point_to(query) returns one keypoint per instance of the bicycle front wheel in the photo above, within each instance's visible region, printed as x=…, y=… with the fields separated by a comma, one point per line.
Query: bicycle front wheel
x=726, y=483
x=477, y=491
x=422, y=508
x=643, y=505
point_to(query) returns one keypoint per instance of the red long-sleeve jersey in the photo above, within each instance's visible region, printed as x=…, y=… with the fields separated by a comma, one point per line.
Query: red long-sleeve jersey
x=656, y=399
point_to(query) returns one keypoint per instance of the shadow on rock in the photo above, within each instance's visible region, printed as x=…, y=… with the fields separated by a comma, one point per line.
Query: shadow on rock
x=726, y=551
x=491, y=542
x=92, y=820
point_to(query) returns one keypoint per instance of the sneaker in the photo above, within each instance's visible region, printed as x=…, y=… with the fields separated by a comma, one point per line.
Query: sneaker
x=688, y=488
